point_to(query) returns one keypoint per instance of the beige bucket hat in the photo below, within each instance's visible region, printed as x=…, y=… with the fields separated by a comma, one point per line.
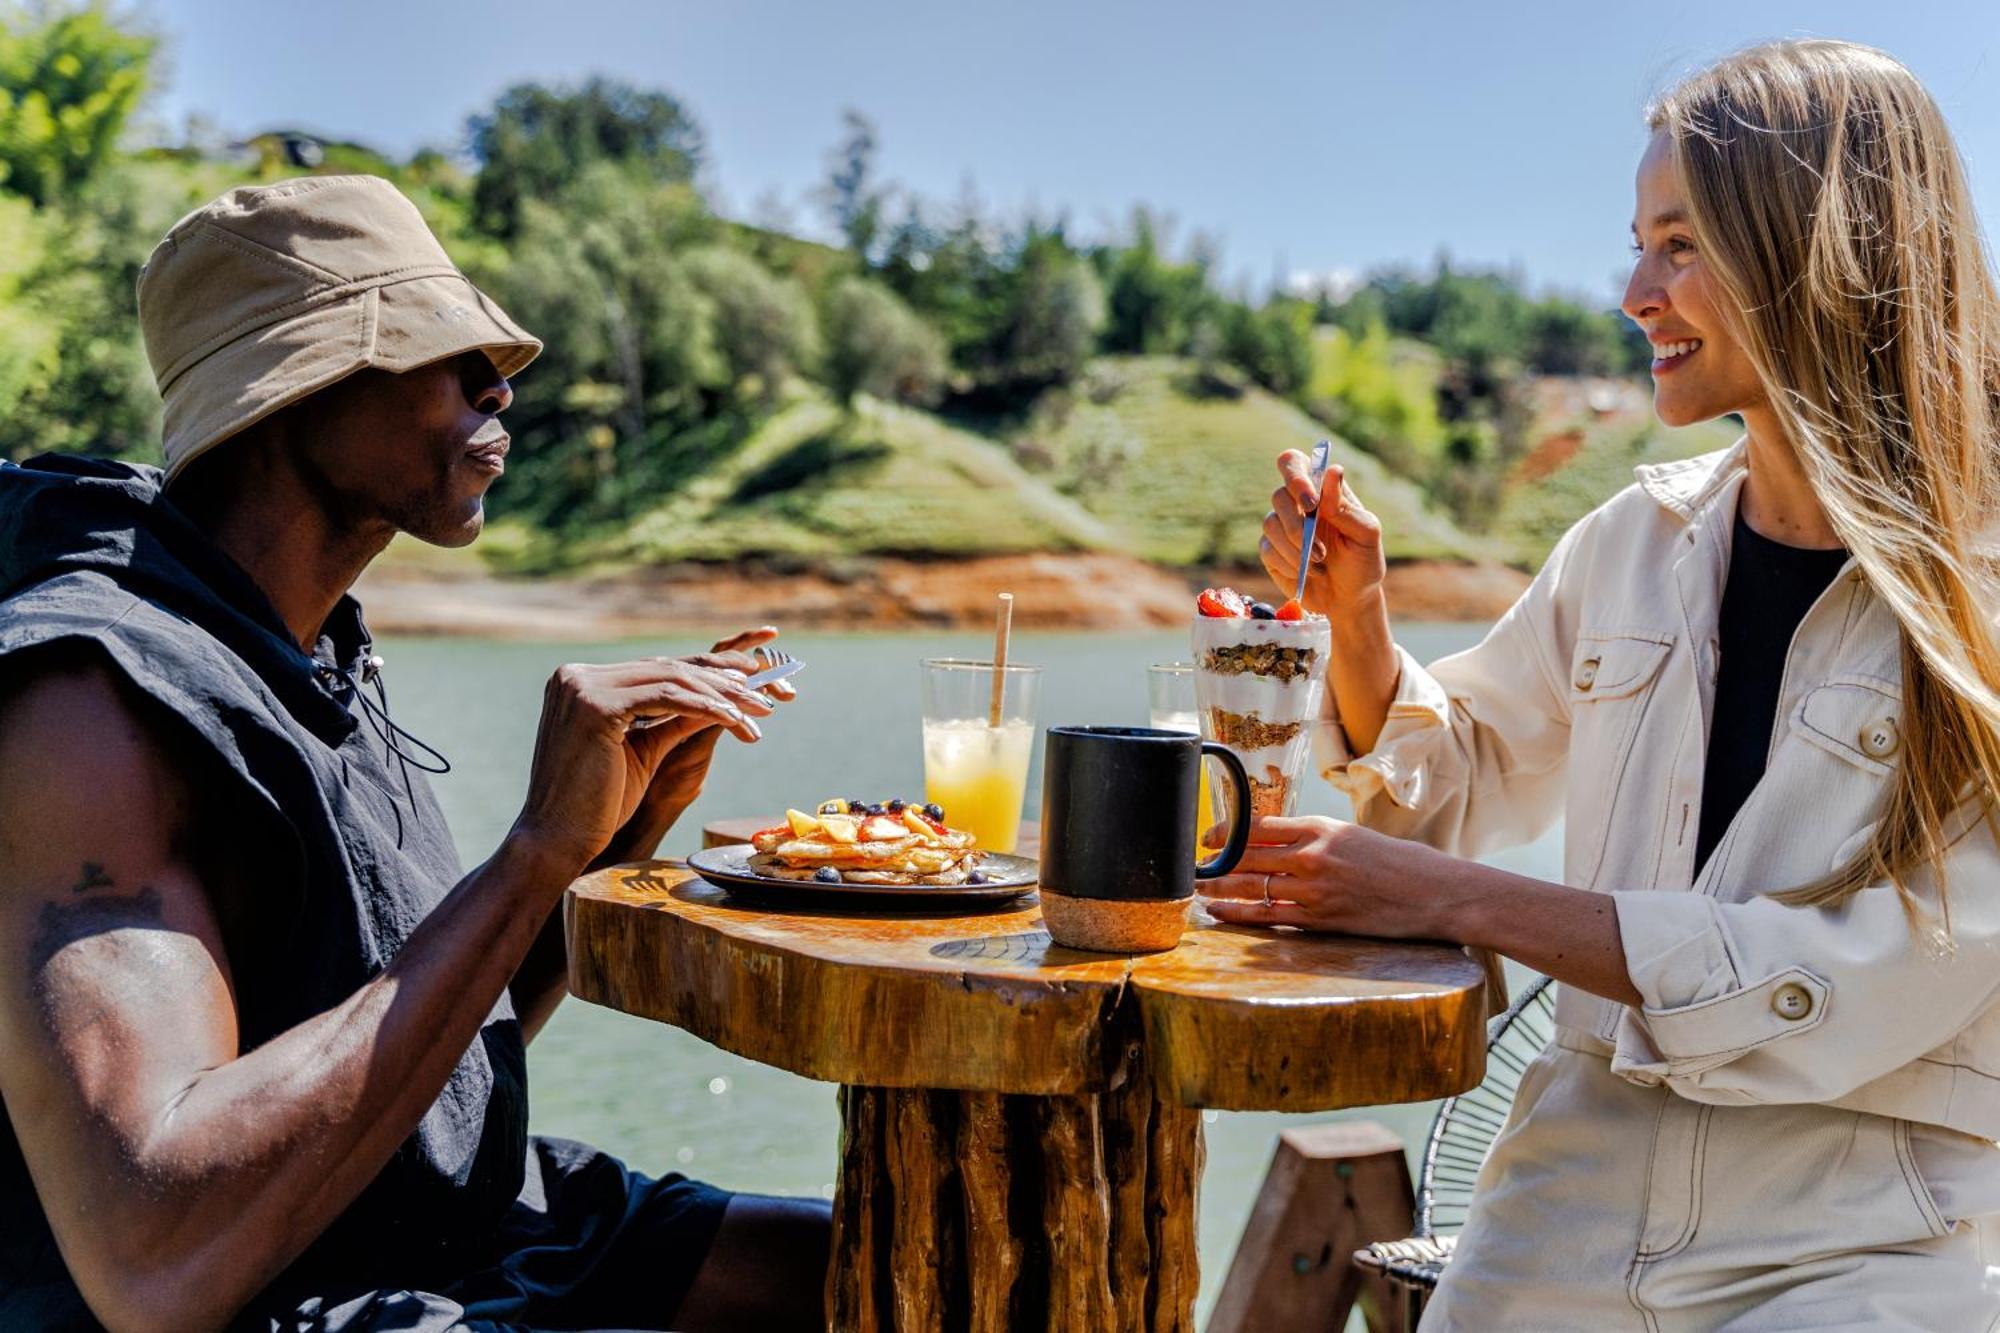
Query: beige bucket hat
x=272, y=292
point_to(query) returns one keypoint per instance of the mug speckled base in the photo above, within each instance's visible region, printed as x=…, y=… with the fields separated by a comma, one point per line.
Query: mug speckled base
x=1115, y=925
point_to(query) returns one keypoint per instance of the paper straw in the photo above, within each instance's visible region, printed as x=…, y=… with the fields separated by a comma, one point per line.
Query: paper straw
x=1003, y=627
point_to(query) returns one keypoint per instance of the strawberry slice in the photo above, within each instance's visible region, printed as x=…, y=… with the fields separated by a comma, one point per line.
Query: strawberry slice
x=1292, y=611
x=1222, y=603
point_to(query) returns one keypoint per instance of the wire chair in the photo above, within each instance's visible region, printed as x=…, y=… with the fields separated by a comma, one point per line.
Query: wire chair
x=1465, y=1128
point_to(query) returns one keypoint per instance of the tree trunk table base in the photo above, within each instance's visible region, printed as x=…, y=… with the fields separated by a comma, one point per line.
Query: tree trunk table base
x=992, y=1213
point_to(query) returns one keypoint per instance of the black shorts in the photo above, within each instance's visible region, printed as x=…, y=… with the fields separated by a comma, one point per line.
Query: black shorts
x=590, y=1244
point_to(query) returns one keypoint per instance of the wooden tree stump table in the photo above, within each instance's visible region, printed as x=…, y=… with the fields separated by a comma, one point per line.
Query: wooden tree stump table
x=1021, y=1123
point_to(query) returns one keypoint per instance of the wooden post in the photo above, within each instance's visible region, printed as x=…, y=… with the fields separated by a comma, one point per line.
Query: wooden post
x=1330, y=1190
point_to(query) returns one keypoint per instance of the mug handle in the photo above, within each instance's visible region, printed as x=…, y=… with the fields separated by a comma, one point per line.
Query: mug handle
x=1239, y=828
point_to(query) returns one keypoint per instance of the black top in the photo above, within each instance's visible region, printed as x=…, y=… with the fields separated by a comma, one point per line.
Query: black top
x=1771, y=586
x=94, y=559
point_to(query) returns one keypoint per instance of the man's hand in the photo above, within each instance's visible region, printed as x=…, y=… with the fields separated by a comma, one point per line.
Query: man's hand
x=680, y=770
x=591, y=770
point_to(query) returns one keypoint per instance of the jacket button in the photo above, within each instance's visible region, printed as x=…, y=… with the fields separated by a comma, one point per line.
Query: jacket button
x=1586, y=674
x=1791, y=1001
x=1879, y=739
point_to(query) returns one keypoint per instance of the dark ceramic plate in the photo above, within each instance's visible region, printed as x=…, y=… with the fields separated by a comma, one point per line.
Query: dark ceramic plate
x=1008, y=877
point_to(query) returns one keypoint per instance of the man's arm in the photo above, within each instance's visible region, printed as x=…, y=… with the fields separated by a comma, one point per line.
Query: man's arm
x=179, y=1173
x=542, y=980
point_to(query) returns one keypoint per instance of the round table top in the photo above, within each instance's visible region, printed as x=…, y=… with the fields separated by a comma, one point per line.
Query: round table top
x=1234, y=1018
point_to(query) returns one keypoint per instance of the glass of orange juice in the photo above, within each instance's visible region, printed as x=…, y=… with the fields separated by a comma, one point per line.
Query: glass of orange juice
x=1171, y=707
x=976, y=771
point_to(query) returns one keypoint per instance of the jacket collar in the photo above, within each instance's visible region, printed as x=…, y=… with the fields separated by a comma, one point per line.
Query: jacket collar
x=1683, y=487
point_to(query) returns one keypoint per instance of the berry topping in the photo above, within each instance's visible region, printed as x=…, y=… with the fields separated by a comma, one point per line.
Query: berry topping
x=1291, y=611
x=876, y=808
x=827, y=875
x=1262, y=611
x=935, y=812
x=1225, y=603
x=976, y=877
x=894, y=807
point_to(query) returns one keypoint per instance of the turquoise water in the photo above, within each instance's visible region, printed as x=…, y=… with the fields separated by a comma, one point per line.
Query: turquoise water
x=666, y=1101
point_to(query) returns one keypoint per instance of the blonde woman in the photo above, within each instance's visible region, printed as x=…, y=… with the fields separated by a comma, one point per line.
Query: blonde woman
x=1762, y=689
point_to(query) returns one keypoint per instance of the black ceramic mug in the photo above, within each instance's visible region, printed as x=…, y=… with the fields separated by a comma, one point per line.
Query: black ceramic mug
x=1118, y=834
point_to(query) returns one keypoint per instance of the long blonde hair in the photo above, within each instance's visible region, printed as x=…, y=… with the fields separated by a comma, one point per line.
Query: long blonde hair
x=1827, y=195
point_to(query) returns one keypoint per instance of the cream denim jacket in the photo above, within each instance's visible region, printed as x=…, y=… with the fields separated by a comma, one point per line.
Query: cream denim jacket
x=1590, y=701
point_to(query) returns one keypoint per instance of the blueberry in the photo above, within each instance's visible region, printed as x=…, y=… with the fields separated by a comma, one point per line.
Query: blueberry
x=1263, y=611
x=827, y=875
x=976, y=877
x=935, y=811
x=875, y=808
x=895, y=807
x=855, y=807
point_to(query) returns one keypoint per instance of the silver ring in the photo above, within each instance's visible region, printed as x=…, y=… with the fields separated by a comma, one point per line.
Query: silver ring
x=1267, y=890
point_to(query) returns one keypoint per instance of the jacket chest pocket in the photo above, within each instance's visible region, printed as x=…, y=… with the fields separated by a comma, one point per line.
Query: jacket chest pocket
x=1856, y=720
x=1611, y=680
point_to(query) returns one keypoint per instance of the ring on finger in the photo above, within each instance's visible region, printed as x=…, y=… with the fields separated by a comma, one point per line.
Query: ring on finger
x=1267, y=890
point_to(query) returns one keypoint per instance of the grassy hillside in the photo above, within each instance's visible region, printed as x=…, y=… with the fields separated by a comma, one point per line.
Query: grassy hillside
x=1185, y=471
x=1548, y=495
x=816, y=482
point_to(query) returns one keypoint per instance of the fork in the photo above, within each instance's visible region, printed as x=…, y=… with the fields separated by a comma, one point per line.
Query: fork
x=778, y=664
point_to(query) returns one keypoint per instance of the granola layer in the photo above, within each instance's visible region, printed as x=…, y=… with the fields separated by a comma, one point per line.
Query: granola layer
x=1247, y=731
x=1276, y=660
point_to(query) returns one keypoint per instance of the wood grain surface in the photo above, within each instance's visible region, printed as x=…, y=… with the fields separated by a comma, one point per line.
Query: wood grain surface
x=1235, y=1018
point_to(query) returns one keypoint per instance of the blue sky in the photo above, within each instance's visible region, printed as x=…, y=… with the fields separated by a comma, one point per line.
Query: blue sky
x=1303, y=137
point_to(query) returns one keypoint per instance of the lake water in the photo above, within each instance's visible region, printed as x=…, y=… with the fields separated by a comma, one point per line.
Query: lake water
x=666, y=1101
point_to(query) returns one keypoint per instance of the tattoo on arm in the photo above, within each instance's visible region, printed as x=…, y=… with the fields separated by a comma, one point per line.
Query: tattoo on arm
x=93, y=877
x=62, y=924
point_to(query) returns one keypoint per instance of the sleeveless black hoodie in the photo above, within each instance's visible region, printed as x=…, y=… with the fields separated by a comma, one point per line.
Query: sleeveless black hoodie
x=349, y=850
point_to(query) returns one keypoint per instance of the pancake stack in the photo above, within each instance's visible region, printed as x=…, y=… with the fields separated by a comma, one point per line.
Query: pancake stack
x=877, y=843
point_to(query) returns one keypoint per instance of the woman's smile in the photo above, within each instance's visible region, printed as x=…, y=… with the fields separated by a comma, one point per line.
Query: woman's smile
x=1672, y=354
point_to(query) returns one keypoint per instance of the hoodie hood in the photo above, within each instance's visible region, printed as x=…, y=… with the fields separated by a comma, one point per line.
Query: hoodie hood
x=84, y=538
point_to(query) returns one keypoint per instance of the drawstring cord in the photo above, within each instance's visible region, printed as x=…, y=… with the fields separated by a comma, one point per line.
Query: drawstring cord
x=389, y=733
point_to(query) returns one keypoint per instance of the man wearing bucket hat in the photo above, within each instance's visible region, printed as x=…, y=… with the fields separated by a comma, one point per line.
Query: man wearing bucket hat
x=261, y=1036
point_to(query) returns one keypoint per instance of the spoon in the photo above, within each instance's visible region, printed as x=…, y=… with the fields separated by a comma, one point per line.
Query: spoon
x=1322, y=455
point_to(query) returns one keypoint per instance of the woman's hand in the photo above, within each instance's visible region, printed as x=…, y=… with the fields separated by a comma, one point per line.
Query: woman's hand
x=1320, y=874
x=1347, y=561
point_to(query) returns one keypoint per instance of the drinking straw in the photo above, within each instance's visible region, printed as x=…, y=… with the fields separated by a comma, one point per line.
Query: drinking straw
x=1002, y=628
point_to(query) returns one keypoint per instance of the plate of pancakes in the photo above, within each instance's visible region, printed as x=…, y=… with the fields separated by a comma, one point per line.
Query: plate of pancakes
x=873, y=852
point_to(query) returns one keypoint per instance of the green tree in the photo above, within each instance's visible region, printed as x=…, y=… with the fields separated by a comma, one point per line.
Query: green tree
x=851, y=194
x=1273, y=346
x=632, y=359
x=1154, y=303
x=70, y=78
x=537, y=139
x=1380, y=396
x=1058, y=311
x=877, y=345
x=764, y=324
